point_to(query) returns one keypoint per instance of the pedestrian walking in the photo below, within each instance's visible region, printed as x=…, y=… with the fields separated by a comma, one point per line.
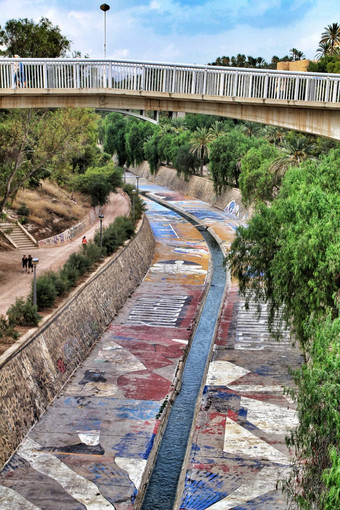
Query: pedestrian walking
x=19, y=75
x=24, y=264
x=84, y=242
x=30, y=263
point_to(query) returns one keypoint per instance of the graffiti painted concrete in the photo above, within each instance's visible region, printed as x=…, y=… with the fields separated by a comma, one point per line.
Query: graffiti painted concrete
x=92, y=448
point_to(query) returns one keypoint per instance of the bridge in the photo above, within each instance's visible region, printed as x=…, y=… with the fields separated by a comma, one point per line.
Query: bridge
x=307, y=102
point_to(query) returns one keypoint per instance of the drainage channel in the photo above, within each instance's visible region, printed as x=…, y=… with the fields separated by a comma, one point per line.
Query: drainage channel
x=162, y=487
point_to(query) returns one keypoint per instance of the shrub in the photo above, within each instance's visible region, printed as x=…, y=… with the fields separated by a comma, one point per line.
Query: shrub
x=93, y=253
x=70, y=273
x=116, y=234
x=23, y=210
x=79, y=261
x=7, y=329
x=46, y=291
x=23, y=313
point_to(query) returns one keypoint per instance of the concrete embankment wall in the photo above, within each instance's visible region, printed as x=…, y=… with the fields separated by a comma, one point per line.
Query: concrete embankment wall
x=201, y=188
x=33, y=372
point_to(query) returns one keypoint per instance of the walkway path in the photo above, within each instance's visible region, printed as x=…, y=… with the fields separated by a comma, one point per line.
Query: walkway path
x=91, y=448
x=14, y=283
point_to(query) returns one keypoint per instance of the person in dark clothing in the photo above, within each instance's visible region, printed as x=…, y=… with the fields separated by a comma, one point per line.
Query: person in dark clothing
x=30, y=263
x=24, y=261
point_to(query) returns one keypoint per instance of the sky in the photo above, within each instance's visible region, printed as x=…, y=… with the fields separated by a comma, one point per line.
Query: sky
x=183, y=31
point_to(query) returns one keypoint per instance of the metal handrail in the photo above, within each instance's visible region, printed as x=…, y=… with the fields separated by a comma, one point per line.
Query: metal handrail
x=159, y=77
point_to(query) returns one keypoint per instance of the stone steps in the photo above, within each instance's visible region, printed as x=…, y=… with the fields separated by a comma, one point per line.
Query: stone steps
x=18, y=236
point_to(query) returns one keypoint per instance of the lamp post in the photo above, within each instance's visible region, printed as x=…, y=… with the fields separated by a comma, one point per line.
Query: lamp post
x=137, y=179
x=133, y=203
x=105, y=8
x=35, y=261
x=101, y=217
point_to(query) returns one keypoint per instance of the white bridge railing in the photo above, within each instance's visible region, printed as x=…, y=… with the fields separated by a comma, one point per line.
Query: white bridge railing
x=168, y=78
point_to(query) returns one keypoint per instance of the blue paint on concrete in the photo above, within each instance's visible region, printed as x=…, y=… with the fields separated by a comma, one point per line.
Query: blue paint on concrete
x=149, y=447
x=200, y=494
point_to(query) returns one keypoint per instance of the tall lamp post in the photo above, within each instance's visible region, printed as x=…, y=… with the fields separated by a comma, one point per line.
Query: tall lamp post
x=105, y=8
x=35, y=261
x=101, y=217
x=137, y=179
x=133, y=203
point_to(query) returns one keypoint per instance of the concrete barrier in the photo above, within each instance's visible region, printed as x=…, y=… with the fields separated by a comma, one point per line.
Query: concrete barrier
x=35, y=369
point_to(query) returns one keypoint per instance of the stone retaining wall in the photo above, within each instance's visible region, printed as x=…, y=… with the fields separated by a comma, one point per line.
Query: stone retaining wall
x=33, y=373
x=71, y=232
x=201, y=188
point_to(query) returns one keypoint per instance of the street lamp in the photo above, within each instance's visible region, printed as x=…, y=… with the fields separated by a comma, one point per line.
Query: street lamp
x=35, y=261
x=137, y=179
x=133, y=203
x=105, y=8
x=101, y=217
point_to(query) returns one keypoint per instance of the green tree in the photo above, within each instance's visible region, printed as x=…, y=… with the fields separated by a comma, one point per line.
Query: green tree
x=256, y=181
x=28, y=39
x=296, y=54
x=135, y=138
x=293, y=246
x=314, y=481
x=294, y=152
x=226, y=153
x=199, y=145
x=331, y=35
x=35, y=140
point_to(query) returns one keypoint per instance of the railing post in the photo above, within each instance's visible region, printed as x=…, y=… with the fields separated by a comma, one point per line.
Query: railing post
x=335, y=89
x=173, y=86
x=143, y=79
x=296, y=91
x=222, y=85
x=193, y=82
x=204, y=91
x=110, y=75
x=307, y=89
x=164, y=79
x=250, y=86
x=45, y=75
x=235, y=84
x=265, y=90
x=327, y=90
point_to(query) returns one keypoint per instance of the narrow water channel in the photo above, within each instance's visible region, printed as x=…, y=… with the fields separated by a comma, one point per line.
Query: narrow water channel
x=161, y=491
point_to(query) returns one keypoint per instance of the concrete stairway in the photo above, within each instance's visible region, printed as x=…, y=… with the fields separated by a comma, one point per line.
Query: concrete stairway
x=18, y=236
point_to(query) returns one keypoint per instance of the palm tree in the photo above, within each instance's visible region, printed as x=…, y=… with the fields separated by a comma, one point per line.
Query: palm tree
x=324, y=49
x=296, y=54
x=217, y=129
x=331, y=35
x=199, y=144
x=294, y=153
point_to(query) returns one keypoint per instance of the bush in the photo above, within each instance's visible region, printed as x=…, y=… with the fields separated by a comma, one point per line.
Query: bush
x=46, y=291
x=116, y=234
x=79, y=261
x=23, y=210
x=7, y=329
x=93, y=253
x=23, y=313
x=70, y=273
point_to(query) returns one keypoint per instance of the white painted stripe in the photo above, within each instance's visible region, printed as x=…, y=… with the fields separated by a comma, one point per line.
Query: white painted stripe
x=79, y=488
x=271, y=418
x=264, y=482
x=134, y=467
x=12, y=500
x=239, y=441
x=222, y=373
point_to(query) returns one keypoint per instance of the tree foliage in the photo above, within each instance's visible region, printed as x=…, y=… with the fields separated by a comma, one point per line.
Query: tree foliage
x=33, y=141
x=28, y=39
x=293, y=246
